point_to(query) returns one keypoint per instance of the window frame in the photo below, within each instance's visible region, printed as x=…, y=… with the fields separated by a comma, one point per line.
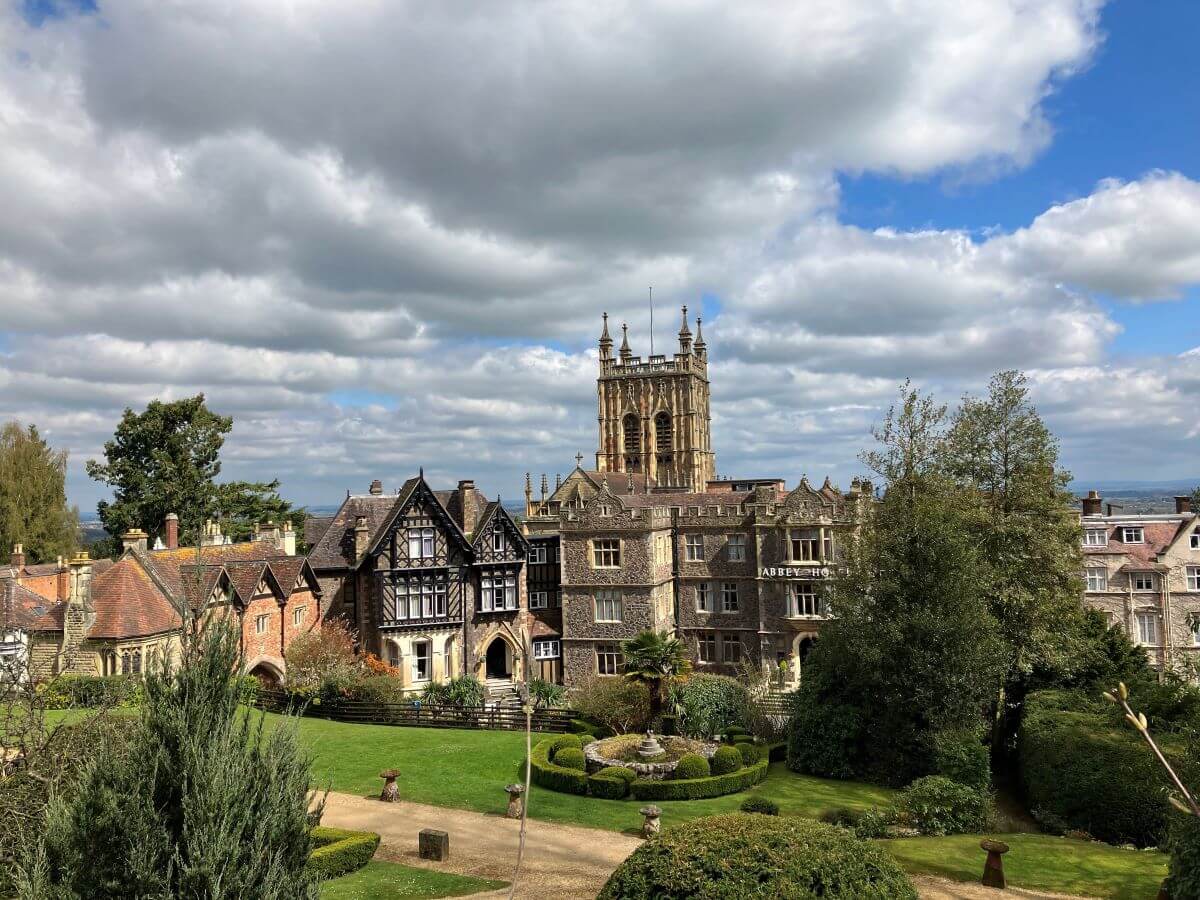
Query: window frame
x=1095, y=571
x=705, y=597
x=1089, y=533
x=537, y=555
x=499, y=540
x=1191, y=575
x=298, y=615
x=730, y=589
x=810, y=544
x=606, y=552
x=796, y=607
x=728, y=641
x=262, y=622
x=498, y=584
x=735, y=542
x=1137, y=530
x=609, y=650
x=420, y=536
x=615, y=601
x=539, y=599
x=693, y=548
x=1140, y=619
x=1138, y=579
x=555, y=645
x=706, y=647
x=416, y=661
x=1194, y=539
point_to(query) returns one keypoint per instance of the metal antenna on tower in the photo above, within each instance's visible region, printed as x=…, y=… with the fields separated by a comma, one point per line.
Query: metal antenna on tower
x=651, y=320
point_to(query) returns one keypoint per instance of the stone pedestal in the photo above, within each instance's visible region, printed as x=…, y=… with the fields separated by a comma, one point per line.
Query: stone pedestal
x=653, y=821
x=993, y=868
x=515, y=800
x=433, y=844
x=649, y=748
x=391, y=791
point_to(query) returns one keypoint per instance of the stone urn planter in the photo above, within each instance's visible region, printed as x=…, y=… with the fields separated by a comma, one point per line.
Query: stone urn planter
x=391, y=791
x=515, y=800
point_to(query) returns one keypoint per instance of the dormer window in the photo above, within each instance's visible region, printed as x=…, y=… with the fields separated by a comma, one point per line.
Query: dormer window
x=1095, y=537
x=1195, y=540
x=1133, y=534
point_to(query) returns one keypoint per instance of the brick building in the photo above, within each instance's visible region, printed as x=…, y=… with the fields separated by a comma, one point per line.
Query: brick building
x=124, y=617
x=1143, y=573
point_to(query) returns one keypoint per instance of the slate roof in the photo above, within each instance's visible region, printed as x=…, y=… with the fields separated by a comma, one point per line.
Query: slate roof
x=335, y=550
x=315, y=528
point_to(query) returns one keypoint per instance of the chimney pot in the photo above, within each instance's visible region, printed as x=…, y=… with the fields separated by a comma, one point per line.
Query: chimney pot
x=171, y=527
x=18, y=556
x=133, y=539
x=361, y=536
x=1183, y=504
x=376, y=487
x=1092, y=503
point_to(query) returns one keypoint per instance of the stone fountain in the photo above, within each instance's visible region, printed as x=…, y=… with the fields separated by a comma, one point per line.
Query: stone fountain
x=649, y=749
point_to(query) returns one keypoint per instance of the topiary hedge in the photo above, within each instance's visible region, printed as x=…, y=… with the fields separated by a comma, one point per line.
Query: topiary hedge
x=338, y=852
x=607, y=787
x=555, y=777
x=726, y=760
x=937, y=806
x=570, y=758
x=700, y=788
x=750, y=754
x=762, y=805
x=565, y=740
x=758, y=856
x=1081, y=770
x=691, y=765
x=627, y=775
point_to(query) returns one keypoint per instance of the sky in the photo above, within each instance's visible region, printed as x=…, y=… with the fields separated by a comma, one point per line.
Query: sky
x=381, y=235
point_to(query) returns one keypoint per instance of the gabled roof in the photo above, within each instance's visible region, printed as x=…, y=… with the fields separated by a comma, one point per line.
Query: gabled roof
x=315, y=528
x=19, y=606
x=127, y=603
x=491, y=511
x=335, y=549
x=416, y=489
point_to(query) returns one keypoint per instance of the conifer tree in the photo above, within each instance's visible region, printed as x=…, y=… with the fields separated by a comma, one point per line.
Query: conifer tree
x=33, y=496
x=205, y=804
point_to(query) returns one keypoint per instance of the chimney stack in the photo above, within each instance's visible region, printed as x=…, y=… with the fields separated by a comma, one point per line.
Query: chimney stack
x=1092, y=503
x=171, y=527
x=81, y=578
x=1182, y=505
x=18, y=557
x=376, y=487
x=468, y=504
x=133, y=539
x=287, y=541
x=361, y=536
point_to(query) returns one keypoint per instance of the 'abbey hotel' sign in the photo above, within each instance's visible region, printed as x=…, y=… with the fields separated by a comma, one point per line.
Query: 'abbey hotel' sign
x=794, y=572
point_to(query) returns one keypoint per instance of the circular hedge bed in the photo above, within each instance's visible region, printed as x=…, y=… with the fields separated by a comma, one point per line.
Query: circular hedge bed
x=758, y=856
x=558, y=766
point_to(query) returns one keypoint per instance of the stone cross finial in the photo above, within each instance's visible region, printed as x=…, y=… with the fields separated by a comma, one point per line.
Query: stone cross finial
x=578, y=460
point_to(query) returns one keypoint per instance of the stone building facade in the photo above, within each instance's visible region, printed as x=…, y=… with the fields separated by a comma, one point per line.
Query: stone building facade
x=1143, y=573
x=127, y=616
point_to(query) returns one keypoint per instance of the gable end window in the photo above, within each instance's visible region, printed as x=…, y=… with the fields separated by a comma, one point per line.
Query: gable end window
x=1194, y=539
x=420, y=543
x=499, y=541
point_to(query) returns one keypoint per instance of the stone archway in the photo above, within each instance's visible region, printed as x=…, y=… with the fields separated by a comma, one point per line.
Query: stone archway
x=266, y=671
x=498, y=659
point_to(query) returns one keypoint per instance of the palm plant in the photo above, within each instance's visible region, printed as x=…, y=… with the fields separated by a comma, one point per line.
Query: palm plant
x=657, y=660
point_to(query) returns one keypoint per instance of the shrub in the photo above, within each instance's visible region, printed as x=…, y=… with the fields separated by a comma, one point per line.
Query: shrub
x=461, y=690
x=570, y=758
x=843, y=816
x=824, y=737
x=89, y=692
x=874, y=823
x=763, y=805
x=376, y=689
x=607, y=788
x=726, y=760
x=710, y=704
x=1183, y=842
x=322, y=662
x=750, y=753
x=552, y=776
x=961, y=756
x=627, y=775
x=758, y=856
x=1079, y=771
x=734, y=732
x=700, y=788
x=546, y=694
x=581, y=727
x=937, y=806
x=692, y=765
x=617, y=704
x=565, y=740
x=376, y=666
x=340, y=852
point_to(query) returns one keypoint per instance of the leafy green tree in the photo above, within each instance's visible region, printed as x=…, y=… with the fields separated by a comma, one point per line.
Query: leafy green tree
x=33, y=496
x=655, y=660
x=163, y=460
x=243, y=504
x=205, y=803
x=1006, y=461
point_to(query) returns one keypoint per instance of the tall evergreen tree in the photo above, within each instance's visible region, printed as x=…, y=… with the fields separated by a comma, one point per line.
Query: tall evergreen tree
x=1006, y=460
x=204, y=804
x=163, y=460
x=33, y=496
x=243, y=504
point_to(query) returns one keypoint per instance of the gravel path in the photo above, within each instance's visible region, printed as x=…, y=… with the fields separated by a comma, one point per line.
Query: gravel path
x=560, y=860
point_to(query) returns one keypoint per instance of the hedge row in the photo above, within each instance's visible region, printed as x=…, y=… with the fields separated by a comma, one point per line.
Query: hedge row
x=338, y=852
x=1079, y=770
x=556, y=778
x=701, y=788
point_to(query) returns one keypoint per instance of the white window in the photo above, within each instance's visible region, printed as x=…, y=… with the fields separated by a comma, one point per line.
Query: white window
x=298, y=615
x=499, y=542
x=1143, y=581
x=1195, y=540
x=606, y=553
x=1095, y=537
x=1194, y=624
x=1133, y=534
x=1147, y=623
x=1193, y=578
x=804, y=544
x=729, y=596
x=538, y=600
x=433, y=598
x=537, y=555
x=693, y=547
x=498, y=591
x=420, y=543
x=802, y=599
x=421, y=661
x=610, y=607
x=1097, y=579
x=605, y=510
x=546, y=648
x=706, y=646
x=731, y=649
x=261, y=623
x=609, y=659
x=704, y=598
x=735, y=548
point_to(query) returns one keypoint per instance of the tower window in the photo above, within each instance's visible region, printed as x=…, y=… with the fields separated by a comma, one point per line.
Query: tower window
x=662, y=432
x=633, y=435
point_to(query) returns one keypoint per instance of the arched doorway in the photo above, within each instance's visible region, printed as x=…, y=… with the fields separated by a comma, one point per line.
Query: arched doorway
x=267, y=674
x=497, y=664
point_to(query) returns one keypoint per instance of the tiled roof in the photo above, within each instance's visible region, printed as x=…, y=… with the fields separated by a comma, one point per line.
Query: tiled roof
x=618, y=482
x=168, y=565
x=335, y=550
x=50, y=620
x=1158, y=537
x=128, y=603
x=287, y=571
x=19, y=606
x=315, y=528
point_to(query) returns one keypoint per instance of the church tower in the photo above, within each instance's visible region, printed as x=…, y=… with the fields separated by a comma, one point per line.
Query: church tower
x=654, y=417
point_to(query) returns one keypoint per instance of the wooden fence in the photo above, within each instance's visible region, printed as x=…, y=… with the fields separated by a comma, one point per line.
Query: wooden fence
x=415, y=714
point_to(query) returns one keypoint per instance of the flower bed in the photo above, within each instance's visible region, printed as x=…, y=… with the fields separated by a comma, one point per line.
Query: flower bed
x=622, y=751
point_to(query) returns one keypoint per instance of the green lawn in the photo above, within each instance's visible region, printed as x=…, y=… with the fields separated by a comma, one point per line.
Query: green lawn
x=387, y=880
x=1040, y=861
